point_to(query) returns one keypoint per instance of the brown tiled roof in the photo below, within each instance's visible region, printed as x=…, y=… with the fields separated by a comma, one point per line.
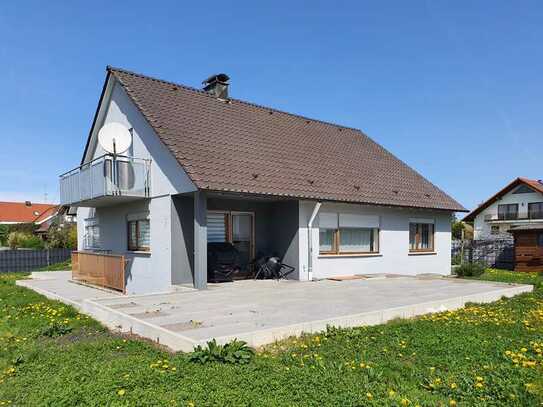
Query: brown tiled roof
x=242, y=147
x=536, y=185
x=20, y=212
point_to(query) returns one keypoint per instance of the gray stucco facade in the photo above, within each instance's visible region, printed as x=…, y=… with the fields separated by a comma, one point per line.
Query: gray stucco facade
x=177, y=218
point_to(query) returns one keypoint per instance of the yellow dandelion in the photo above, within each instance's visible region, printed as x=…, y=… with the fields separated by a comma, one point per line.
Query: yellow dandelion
x=369, y=395
x=121, y=392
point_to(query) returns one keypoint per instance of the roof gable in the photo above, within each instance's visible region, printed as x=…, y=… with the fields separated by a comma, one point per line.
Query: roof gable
x=241, y=147
x=534, y=185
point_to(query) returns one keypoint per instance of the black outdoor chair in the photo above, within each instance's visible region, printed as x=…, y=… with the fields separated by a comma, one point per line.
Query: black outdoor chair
x=223, y=261
x=272, y=267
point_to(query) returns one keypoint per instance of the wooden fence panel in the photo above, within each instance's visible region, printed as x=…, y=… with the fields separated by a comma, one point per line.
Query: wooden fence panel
x=103, y=270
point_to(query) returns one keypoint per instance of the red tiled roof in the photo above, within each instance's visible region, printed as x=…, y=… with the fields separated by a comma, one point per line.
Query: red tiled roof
x=532, y=183
x=19, y=212
x=242, y=147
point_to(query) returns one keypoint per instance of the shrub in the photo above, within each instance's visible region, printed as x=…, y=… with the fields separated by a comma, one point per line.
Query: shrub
x=15, y=239
x=456, y=259
x=4, y=232
x=21, y=240
x=32, y=242
x=470, y=269
x=62, y=237
x=235, y=352
x=24, y=228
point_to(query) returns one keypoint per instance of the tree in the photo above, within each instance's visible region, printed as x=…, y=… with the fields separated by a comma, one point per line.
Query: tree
x=457, y=227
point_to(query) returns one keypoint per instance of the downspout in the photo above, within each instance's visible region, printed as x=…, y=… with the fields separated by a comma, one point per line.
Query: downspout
x=310, y=240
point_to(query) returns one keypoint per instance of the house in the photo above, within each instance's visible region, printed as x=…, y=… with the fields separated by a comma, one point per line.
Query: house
x=26, y=212
x=203, y=167
x=40, y=214
x=61, y=216
x=517, y=205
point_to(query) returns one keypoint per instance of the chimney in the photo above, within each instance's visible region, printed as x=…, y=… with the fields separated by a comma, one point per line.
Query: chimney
x=28, y=203
x=217, y=85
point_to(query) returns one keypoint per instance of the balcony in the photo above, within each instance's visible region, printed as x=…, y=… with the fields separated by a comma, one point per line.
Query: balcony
x=512, y=217
x=105, y=181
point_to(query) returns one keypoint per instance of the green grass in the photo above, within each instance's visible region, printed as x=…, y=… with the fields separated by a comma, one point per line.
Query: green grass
x=65, y=265
x=482, y=355
x=507, y=276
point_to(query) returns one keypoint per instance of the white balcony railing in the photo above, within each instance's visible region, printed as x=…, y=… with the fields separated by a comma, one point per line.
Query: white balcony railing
x=106, y=177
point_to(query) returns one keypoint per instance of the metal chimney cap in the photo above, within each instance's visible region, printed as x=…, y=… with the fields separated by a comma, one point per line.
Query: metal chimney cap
x=220, y=77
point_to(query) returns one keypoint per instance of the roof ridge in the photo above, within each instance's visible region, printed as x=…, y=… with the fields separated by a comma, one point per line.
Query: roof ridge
x=24, y=202
x=203, y=92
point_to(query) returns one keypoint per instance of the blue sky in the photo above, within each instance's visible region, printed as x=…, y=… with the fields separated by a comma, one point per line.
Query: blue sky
x=453, y=88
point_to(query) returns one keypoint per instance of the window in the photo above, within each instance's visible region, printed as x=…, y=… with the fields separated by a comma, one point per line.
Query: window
x=91, y=239
x=494, y=230
x=327, y=239
x=540, y=239
x=421, y=237
x=535, y=210
x=523, y=189
x=348, y=234
x=507, y=211
x=138, y=234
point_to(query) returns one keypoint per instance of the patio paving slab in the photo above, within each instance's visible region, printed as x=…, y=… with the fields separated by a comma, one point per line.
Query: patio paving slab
x=260, y=312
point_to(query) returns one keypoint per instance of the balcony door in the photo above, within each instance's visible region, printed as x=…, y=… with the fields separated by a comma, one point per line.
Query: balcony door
x=236, y=228
x=508, y=212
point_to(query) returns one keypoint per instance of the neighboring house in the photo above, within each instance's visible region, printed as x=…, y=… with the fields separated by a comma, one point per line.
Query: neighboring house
x=26, y=212
x=42, y=215
x=517, y=205
x=203, y=168
x=62, y=217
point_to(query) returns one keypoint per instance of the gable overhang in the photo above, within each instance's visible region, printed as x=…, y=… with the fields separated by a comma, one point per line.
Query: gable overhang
x=470, y=217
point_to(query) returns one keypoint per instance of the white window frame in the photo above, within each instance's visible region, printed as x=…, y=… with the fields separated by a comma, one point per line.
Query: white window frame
x=372, y=222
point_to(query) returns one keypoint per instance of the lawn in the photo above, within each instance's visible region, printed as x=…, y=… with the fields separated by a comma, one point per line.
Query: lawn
x=65, y=265
x=482, y=355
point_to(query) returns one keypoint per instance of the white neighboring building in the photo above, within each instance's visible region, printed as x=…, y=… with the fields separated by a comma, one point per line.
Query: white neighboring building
x=519, y=203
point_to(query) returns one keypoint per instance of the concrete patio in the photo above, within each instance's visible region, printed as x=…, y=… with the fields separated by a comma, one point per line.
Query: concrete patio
x=260, y=312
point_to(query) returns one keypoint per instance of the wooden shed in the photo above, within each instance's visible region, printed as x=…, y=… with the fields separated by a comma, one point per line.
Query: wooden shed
x=528, y=247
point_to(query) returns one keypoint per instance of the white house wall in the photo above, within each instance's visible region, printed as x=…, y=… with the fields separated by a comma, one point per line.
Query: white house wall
x=149, y=272
x=481, y=228
x=394, y=256
x=167, y=176
x=146, y=271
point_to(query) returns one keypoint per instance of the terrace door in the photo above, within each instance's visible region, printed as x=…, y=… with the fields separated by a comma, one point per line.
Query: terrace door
x=242, y=236
x=236, y=228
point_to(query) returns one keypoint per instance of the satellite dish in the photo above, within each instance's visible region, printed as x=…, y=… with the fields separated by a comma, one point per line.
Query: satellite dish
x=115, y=138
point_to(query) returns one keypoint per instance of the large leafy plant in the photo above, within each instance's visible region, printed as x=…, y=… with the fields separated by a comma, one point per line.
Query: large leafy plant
x=234, y=352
